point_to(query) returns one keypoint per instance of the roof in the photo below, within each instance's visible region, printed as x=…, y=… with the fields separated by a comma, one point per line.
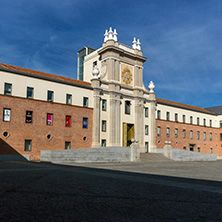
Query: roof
x=183, y=106
x=35, y=73
x=215, y=109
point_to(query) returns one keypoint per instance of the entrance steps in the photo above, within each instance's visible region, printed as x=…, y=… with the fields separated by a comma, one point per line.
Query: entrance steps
x=153, y=157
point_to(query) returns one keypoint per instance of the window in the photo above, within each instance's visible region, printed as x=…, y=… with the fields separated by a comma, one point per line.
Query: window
x=168, y=132
x=211, y=137
x=30, y=93
x=158, y=114
x=191, y=120
x=146, y=147
x=103, y=125
x=176, y=117
x=49, y=119
x=204, y=135
x=146, y=130
x=68, y=99
x=146, y=112
x=198, y=149
x=198, y=135
x=220, y=136
x=220, y=124
x=176, y=133
x=158, y=131
x=28, y=145
x=127, y=107
x=103, y=143
x=167, y=116
x=85, y=123
x=67, y=145
x=104, y=105
x=50, y=96
x=8, y=89
x=198, y=121
x=211, y=150
x=184, y=148
x=184, y=119
x=85, y=101
x=6, y=115
x=191, y=134
x=68, y=121
x=184, y=134
x=204, y=122
x=28, y=118
x=210, y=123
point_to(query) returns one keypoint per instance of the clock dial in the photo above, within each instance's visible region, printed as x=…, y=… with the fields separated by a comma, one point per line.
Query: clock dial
x=127, y=76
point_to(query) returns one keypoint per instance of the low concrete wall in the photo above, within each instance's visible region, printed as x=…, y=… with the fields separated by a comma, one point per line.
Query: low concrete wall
x=183, y=155
x=15, y=157
x=103, y=154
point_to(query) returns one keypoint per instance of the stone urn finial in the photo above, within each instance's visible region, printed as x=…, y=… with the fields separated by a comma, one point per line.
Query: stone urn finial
x=151, y=86
x=95, y=72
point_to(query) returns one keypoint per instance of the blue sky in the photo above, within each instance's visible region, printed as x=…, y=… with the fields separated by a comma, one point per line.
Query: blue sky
x=181, y=39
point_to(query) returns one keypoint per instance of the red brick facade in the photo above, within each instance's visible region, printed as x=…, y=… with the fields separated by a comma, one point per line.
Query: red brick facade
x=37, y=131
x=180, y=142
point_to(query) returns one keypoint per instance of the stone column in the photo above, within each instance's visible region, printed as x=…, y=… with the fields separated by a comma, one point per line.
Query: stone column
x=152, y=147
x=118, y=123
x=112, y=120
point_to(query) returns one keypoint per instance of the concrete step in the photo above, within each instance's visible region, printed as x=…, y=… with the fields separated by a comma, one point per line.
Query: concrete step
x=154, y=157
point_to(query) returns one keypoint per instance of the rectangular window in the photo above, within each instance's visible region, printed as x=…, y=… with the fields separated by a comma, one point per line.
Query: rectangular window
x=68, y=121
x=49, y=119
x=191, y=134
x=210, y=123
x=220, y=124
x=220, y=136
x=28, y=118
x=211, y=137
x=6, y=115
x=198, y=135
x=198, y=121
x=68, y=99
x=184, y=134
x=158, y=114
x=30, y=92
x=168, y=132
x=176, y=117
x=8, y=89
x=211, y=150
x=103, y=125
x=50, y=96
x=184, y=119
x=103, y=143
x=67, y=145
x=146, y=130
x=198, y=149
x=28, y=145
x=104, y=105
x=146, y=112
x=204, y=122
x=85, y=101
x=158, y=131
x=85, y=123
x=146, y=147
x=205, y=136
x=191, y=120
x=167, y=116
x=176, y=133
x=127, y=107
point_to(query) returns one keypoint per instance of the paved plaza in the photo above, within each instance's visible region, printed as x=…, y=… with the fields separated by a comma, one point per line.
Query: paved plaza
x=160, y=190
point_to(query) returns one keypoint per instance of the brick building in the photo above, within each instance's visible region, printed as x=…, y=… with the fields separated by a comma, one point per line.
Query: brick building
x=108, y=106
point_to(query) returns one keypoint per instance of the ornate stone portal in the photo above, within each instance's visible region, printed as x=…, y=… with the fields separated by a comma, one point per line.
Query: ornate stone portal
x=130, y=111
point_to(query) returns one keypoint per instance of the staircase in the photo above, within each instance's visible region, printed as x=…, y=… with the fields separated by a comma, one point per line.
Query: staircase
x=154, y=157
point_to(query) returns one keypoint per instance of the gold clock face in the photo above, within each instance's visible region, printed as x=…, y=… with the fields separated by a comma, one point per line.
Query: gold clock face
x=127, y=76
